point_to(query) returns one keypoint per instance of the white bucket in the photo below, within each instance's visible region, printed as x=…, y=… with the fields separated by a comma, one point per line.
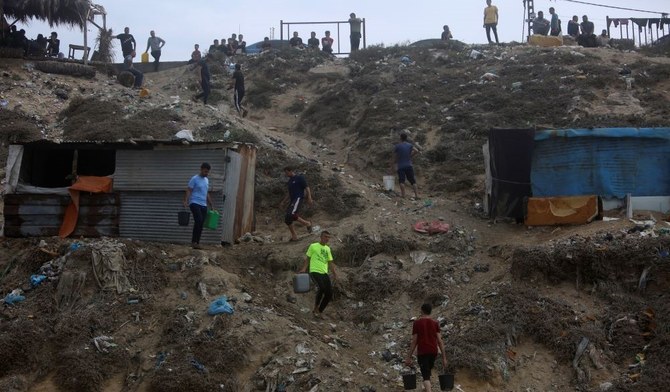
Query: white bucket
x=389, y=183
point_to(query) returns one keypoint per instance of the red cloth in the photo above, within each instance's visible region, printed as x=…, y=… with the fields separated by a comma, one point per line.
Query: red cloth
x=87, y=184
x=426, y=330
x=435, y=227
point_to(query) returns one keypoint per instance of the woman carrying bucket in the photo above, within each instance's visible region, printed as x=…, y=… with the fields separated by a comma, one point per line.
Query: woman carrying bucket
x=426, y=339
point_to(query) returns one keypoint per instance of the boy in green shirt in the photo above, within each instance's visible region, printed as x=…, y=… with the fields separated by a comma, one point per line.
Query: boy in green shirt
x=317, y=260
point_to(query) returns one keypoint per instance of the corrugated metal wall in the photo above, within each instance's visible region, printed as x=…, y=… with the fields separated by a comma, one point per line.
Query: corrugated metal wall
x=29, y=215
x=244, y=211
x=152, y=216
x=152, y=185
x=167, y=169
x=231, y=186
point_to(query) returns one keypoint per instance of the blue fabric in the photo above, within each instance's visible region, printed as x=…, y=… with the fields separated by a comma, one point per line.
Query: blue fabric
x=296, y=187
x=604, y=162
x=220, y=306
x=199, y=186
x=403, y=153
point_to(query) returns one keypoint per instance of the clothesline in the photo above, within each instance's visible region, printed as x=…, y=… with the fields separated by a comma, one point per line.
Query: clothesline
x=615, y=7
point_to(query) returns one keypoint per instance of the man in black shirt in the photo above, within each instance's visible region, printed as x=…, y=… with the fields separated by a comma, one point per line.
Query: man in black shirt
x=204, y=81
x=313, y=42
x=587, y=26
x=296, y=42
x=53, y=45
x=298, y=193
x=573, y=26
x=237, y=83
x=128, y=43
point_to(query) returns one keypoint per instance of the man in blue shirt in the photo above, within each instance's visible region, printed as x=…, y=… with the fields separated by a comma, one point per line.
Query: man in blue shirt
x=555, y=23
x=197, y=199
x=402, y=157
x=298, y=193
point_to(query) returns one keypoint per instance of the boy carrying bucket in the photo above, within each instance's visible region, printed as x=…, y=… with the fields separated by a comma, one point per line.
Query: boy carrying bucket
x=426, y=339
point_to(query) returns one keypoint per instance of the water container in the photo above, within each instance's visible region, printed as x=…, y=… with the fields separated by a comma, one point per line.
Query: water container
x=212, y=220
x=446, y=382
x=409, y=380
x=301, y=283
x=145, y=57
x=389, y=183
x=183, y=217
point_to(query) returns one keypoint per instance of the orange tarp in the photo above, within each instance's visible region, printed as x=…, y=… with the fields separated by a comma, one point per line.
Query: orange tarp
x=547, y=211
x=83, y=184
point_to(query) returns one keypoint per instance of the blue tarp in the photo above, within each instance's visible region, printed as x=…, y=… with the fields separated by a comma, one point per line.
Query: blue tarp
x=609, y=162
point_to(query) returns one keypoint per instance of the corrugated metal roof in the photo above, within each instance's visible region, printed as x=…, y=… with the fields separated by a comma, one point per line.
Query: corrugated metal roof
x=166, y=170
x=152, y=216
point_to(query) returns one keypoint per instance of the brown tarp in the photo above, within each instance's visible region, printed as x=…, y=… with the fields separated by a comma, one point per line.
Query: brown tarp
x=569, y=210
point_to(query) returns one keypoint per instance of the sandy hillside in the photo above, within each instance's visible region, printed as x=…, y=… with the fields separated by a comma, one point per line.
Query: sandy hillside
x=514, y=303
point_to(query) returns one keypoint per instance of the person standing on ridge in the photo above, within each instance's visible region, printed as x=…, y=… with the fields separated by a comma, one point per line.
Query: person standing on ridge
x=205, y=77
x=355, y=26
x=491, y=21
x=237, y=84
x=128, y=43
x=156, y=44
x=555, y=23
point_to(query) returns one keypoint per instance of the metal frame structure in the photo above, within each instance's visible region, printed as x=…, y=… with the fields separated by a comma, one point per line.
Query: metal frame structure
x=338, y=23
x=647, y=35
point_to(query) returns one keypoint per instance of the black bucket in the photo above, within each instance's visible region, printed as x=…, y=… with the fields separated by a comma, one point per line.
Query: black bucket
x=409, y=381
x=446, y=382
x=183, y=217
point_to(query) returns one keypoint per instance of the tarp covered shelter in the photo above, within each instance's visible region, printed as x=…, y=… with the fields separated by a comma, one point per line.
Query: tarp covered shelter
x=607, y=162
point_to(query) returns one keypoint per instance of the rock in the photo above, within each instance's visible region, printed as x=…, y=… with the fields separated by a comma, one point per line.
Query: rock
x=61, y=93
x=606, y=386
x=481, y=268
x=290, y=298
x=246, y=297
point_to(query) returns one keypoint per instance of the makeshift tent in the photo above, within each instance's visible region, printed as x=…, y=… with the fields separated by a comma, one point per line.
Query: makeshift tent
x=607, y=162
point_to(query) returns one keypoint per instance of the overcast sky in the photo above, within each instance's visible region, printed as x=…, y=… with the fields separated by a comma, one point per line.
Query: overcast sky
x=182, y=24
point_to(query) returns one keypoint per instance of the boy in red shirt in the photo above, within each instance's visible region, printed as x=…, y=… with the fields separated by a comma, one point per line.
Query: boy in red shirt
x=426, y=339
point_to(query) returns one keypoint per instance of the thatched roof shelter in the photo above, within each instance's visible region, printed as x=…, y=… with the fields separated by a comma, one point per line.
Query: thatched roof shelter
x=54, y=12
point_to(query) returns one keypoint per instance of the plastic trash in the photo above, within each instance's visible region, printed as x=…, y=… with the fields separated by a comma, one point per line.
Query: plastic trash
x=160, y=359
x=3, y=103
x=200, y=367
x=35, y=280
x=220, y=306
x=406, y=60
x=14, y=297
x=475, y=54
x=185, y=134
x=74, y=246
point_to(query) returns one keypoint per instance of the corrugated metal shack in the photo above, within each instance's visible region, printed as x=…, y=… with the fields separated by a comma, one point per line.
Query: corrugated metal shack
x=149, y=181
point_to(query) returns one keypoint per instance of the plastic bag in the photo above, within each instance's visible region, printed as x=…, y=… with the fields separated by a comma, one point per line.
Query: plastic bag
x=35, y=280
x=14, y=297
x=220, y=306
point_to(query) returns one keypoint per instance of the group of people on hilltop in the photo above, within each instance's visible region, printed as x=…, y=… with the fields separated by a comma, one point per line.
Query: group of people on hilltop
x=582, y=32
x=326, y=42
x=231, y=46
x=313, y=43
x=39, y=47
x=129, y=46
